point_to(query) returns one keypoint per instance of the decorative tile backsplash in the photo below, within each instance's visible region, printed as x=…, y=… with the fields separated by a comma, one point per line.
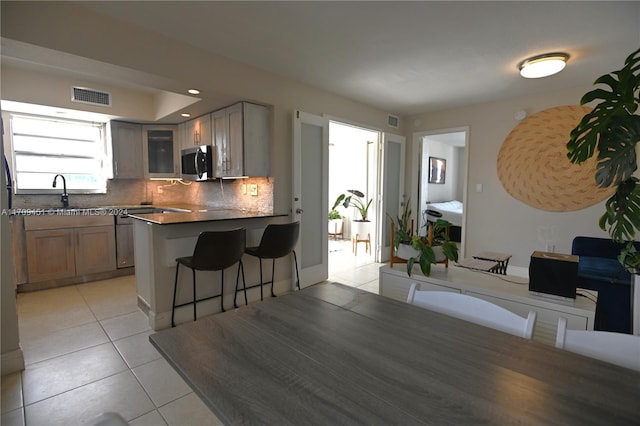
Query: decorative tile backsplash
x=131, y=192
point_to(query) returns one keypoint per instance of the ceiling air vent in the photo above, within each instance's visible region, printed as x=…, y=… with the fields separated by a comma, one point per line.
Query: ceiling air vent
x=393, y=121
x=90, y=96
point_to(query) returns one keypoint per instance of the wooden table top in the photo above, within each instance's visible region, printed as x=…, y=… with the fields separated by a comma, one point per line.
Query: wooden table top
x=335, y=355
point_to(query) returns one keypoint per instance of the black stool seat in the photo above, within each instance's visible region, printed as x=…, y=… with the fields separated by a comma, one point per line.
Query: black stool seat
x=278, y=240
x=214, y=251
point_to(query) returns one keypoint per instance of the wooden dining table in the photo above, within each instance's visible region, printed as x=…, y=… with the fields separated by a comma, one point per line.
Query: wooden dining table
x=336, y=355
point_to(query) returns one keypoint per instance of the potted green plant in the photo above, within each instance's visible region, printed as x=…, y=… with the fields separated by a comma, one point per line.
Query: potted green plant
x=441, y=247
x=357, y=202
x=360, y=227
x=335, y=220
x=403, y=233
x=612, y=131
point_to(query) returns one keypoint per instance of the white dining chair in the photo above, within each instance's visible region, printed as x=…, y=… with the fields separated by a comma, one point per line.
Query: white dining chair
x=616, y=348
x=473, y=309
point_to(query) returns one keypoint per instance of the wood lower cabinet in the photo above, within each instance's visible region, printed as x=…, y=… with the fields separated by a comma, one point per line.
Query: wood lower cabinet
x=64, y=247
x=50, y=254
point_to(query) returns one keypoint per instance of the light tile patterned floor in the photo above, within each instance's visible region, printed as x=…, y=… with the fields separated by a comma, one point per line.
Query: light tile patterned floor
x=87, y=352
x=353, y=270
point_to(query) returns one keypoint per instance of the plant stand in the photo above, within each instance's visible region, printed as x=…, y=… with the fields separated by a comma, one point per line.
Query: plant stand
x=336, y=229
x=367, y=243
x=361, y=233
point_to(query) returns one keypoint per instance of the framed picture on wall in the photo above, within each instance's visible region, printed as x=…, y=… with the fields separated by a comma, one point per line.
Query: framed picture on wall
x=437, y=169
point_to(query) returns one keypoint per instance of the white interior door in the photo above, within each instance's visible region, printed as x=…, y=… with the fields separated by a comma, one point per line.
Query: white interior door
x=310, y=195
x=391, y=189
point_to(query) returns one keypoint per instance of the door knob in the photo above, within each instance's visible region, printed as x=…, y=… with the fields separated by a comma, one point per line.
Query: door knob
x=299, y=211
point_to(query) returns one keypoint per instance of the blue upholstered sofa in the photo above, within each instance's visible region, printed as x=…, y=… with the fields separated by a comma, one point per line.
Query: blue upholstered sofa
x=599, y=269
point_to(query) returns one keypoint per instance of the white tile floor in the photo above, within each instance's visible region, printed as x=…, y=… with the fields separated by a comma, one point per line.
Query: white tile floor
x=350, y=269
x=87, y=352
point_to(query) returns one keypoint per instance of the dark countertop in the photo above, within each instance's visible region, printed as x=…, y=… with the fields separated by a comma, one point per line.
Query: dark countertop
x=173, y=218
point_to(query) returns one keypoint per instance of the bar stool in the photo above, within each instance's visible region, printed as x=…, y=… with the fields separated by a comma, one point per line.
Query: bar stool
x=214, y=251
x=278, y=240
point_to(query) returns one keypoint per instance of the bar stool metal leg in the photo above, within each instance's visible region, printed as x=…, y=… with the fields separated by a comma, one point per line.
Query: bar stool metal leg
x=194, y=294
x=222, y=291
x=273, y=274
x=175, y=290
x=295, y=260
x=261, y=281
x=244, y=286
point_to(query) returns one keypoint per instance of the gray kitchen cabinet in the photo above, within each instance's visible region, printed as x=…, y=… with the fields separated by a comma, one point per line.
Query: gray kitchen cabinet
x=161, y=151
x=198, y=132
x=61, y=247
x=126, y=140
x=242, y=137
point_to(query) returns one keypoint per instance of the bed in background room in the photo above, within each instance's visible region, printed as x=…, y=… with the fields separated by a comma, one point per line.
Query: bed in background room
x=450, y=211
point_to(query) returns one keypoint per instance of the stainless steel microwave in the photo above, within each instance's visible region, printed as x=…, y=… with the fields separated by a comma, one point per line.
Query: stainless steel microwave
x=197, y=163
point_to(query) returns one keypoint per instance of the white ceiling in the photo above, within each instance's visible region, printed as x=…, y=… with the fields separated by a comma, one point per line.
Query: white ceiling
x=403, y=57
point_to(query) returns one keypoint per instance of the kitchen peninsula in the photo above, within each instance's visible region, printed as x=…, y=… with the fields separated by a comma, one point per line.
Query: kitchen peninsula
x=160, y=238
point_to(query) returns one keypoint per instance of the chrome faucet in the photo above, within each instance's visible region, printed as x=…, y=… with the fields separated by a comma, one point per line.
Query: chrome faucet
x=64, y=197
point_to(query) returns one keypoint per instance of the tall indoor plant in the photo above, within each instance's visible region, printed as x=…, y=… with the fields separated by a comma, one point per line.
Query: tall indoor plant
x=355, y=200
x=612, y=131
x=361, y=228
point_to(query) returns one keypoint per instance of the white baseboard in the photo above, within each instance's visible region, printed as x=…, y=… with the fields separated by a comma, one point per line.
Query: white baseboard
x=12, y=362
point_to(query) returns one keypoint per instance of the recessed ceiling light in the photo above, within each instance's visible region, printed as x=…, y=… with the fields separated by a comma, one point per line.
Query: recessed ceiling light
x=194, y=91
x=185, y=114
x=543, y=65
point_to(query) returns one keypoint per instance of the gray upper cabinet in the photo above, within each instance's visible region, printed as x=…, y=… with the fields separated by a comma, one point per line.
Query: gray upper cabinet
x=242, y=139
x=126, y=139
x=161, y=151
x=198, y=132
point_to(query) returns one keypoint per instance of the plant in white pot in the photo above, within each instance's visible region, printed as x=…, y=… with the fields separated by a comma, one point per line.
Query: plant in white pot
x=359, y=227
x=403, y=233
x=612, y=131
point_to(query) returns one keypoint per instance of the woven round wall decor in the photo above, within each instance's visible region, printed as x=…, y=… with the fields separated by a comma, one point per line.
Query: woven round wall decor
x=533, y=166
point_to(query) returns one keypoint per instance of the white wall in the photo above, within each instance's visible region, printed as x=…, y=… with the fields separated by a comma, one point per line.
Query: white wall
x=495, y=220
x=436, y=192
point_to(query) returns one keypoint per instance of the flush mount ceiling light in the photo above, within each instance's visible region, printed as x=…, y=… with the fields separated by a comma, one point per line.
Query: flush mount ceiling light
x=185, y=114
x=194, y=91
x=543, y=65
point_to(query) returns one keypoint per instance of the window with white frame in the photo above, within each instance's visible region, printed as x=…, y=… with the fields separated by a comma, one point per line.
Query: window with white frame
x=46, y=146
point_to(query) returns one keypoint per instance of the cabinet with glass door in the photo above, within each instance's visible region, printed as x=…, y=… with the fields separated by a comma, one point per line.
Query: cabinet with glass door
x=161, y=151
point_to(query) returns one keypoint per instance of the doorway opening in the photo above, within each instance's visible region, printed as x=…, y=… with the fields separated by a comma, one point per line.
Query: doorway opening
x=442, y=179
x=353, y=166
